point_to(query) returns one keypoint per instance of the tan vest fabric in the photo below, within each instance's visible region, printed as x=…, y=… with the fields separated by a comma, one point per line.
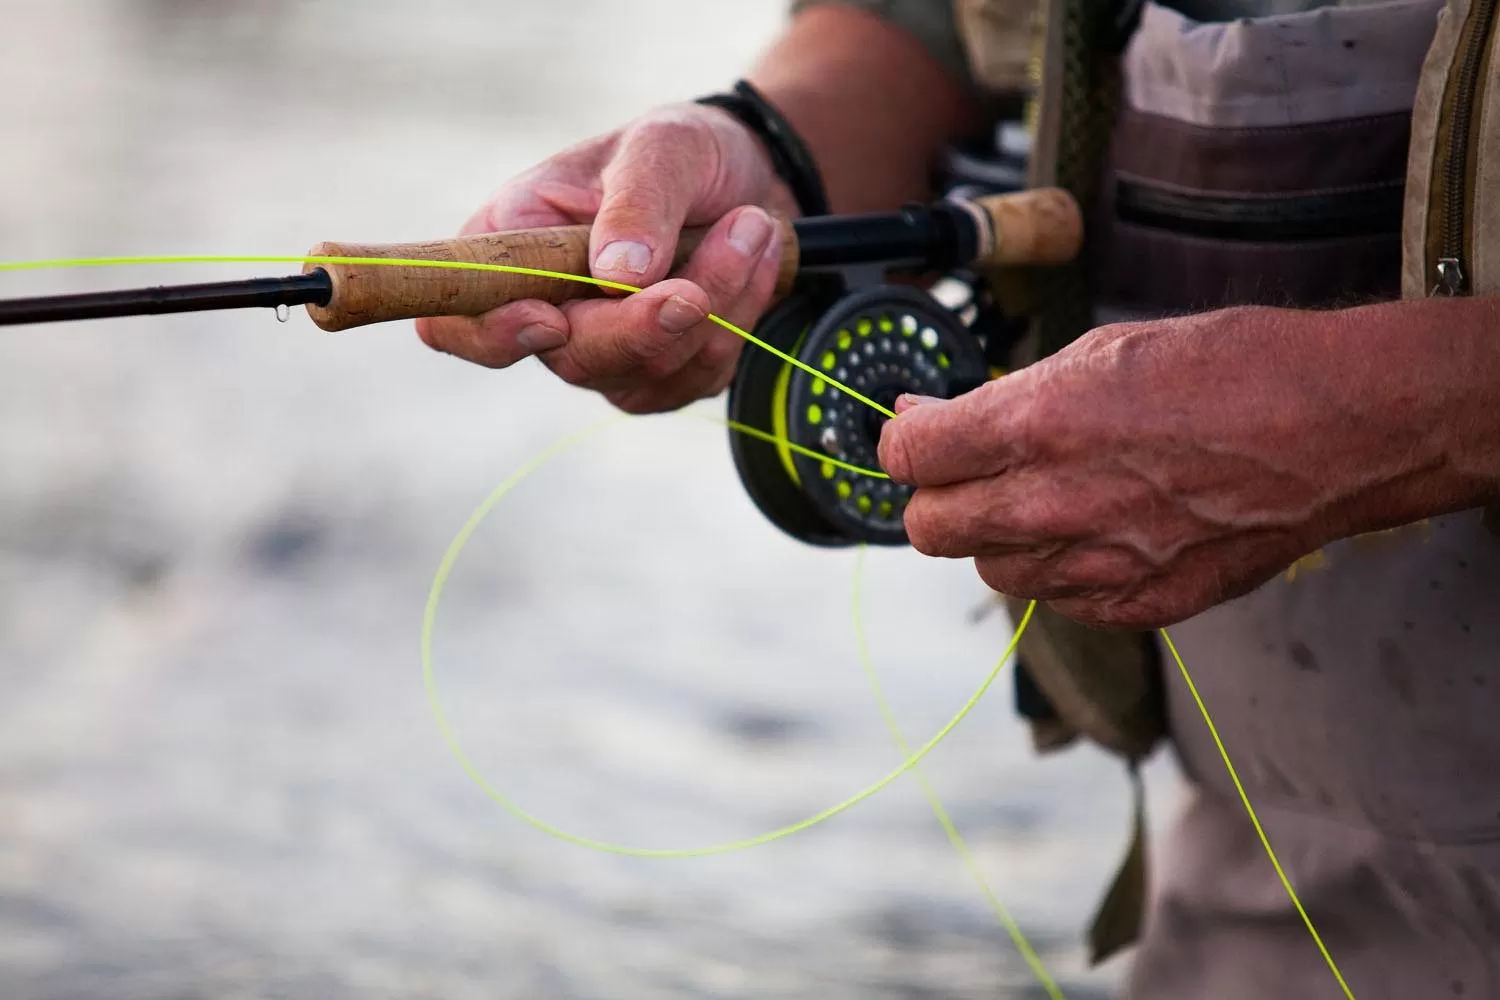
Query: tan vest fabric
x=1358, y=694
x=1360, y=702
x=1360, y=697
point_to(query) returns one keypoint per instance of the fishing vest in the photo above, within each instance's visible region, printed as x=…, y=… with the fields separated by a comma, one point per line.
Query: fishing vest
x=1314, y=159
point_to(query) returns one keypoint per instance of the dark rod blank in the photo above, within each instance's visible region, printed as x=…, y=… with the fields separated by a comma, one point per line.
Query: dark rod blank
x=930, y=236
x=301, y=289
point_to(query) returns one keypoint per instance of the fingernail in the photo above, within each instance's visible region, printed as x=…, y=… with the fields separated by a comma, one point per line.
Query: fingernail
x=624, y=255
x=678, y=315
x=750, y=231
x=907, y=399
x=537, y=337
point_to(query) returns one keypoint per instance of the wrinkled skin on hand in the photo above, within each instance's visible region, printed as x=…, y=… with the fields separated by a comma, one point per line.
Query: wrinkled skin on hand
x=681, y=165
x=1153, y=470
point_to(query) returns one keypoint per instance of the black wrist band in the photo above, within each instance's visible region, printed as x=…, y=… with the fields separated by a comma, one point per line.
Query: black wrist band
x=790, y=157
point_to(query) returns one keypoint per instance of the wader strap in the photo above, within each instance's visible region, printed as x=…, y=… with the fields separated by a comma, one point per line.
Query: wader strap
x=1117, y=923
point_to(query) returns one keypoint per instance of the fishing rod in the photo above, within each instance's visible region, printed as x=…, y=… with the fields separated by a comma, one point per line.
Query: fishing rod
x=1031, y=227
x=879, y=338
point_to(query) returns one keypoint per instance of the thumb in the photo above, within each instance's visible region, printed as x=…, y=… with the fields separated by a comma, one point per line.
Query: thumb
x=659, y=171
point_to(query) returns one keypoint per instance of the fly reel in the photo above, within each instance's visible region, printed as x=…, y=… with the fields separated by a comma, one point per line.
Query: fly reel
x=846, y=322
x=882, y=341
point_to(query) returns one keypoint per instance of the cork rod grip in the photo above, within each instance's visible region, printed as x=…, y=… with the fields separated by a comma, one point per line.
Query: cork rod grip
x=1041, y=226
x=377, y=293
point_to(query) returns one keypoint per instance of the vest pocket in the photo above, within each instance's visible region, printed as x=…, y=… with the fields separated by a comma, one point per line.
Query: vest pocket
x=1261, y=161
x=1302, y=217
x=1167, y=249
x=1162, y=270
x=1370, y=211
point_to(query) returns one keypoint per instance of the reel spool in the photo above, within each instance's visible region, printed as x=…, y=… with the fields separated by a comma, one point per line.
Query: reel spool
x=882, y=341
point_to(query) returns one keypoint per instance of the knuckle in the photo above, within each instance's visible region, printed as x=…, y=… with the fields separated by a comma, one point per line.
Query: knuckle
x=657, y=367
x=658, y=154
x=719, y=383
x=569, y=370
x=1129, y=617
x=894, y=452
x=1019, y=514
x=1140, y=610
x=1112, y=567
x=1035, y=421
x=644, y=348
x=661, y=128
x=608, y=344
x=923, y=528
x=1019, y=576
x=427, y=332
x=1084, y=611
x=726, y=281
x=719, y=354
x=673, y=128
x=633, y=402
x=485, y=358
x=994, y=575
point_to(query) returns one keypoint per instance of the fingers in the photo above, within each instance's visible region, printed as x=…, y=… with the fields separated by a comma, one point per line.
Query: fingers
x=499, y=338
x=1021, y=509
x=554, y=193
x=936, y=442
x=1118, y=587
x=659, y=170
x=737, y=263
x=1059, y=573
x=647, y=337
x=1151, y=608
x=705, y=375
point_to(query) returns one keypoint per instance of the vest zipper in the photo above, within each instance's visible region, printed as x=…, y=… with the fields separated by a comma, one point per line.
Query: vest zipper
x=1457, y=204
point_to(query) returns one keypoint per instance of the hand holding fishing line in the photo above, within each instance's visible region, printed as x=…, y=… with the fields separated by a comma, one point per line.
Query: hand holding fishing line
x=1139, y=476
x=1153, y=470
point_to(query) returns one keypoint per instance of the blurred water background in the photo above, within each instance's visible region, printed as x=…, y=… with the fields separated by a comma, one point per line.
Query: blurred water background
x=218, y=775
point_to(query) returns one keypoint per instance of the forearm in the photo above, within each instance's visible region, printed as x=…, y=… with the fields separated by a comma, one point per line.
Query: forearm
x=871, y=101
x=1419, y=385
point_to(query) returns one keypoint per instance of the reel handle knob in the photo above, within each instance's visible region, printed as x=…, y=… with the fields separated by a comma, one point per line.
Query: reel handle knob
x=1039, y=226
x=377, y=293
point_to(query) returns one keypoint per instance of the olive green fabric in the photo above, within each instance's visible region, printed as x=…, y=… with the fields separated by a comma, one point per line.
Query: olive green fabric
x=1105, y=686
x=1117, y=702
